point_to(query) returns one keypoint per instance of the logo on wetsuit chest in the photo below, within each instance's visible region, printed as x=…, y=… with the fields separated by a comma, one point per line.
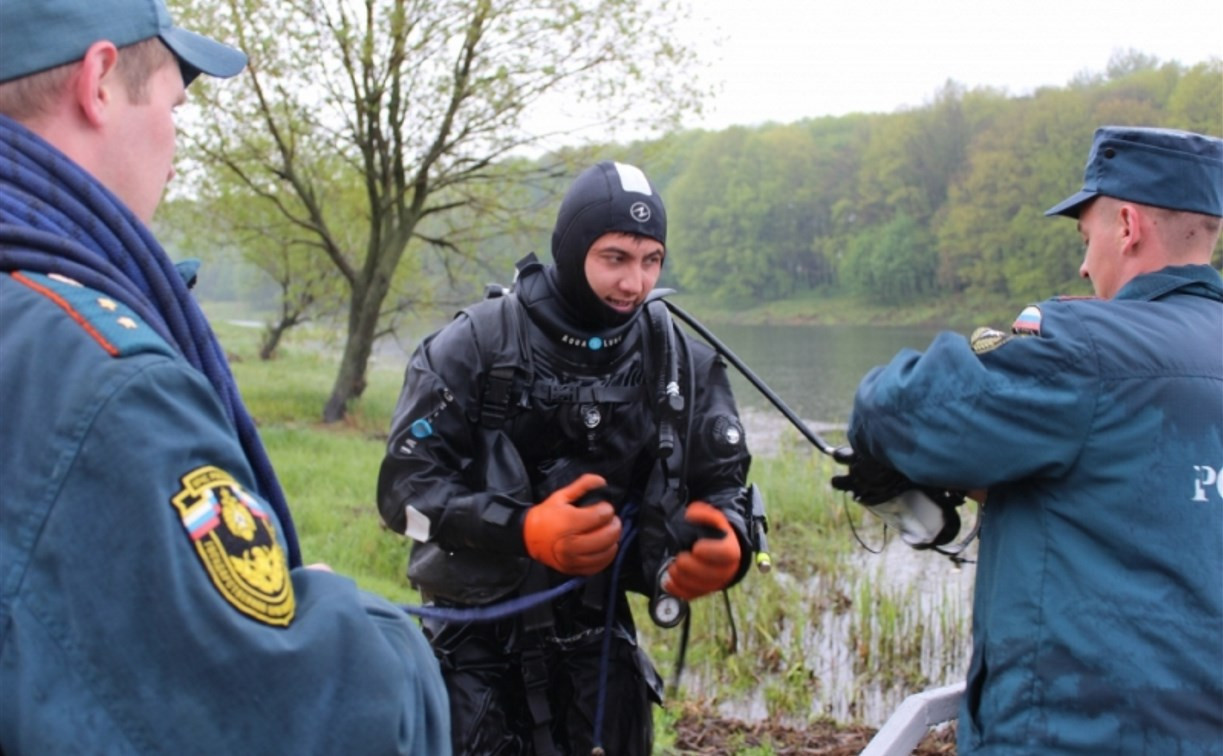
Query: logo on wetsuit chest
x=594, y=343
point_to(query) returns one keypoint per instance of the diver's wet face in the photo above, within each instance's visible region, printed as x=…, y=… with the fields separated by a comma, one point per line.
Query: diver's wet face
x=622, y=269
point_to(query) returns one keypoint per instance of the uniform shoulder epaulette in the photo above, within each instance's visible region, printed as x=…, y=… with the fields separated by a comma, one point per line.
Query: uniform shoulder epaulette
x=112, y=324
x=1027, y=323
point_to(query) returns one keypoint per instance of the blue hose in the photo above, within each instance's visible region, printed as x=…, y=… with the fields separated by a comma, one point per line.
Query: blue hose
x=520, y=604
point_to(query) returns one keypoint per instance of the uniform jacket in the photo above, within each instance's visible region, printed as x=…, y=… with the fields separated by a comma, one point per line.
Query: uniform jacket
x=1098, y=610
x=450, y=488
x=146, y=600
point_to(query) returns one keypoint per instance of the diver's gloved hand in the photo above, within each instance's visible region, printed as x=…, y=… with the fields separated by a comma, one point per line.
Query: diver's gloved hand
x=570, y=539
x=712, y=561
x=868, y=480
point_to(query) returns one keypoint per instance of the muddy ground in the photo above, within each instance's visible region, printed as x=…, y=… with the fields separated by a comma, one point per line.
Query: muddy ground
x=701, y=733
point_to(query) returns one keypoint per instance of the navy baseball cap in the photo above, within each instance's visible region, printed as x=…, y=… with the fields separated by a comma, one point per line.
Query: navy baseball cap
x=39, y=34
x=1177, y=170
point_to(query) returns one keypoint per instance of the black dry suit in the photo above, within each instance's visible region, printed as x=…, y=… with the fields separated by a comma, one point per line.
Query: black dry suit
x=500, y=408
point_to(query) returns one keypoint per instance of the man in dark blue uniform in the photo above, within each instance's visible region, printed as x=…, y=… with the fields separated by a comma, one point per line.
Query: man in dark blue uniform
x=152, y=599
x=534, y=432
x=1093, y=430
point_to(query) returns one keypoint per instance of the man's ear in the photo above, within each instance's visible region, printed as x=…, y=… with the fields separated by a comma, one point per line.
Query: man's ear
x=96, y=82
x=1130, y=227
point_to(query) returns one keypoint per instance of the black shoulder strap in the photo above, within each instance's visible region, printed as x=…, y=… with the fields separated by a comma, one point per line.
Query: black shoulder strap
x=495, y=404
x=673, y=400
x=501, y=339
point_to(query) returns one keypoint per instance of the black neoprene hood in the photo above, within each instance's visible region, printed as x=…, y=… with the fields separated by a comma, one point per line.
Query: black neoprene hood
x=606, y=197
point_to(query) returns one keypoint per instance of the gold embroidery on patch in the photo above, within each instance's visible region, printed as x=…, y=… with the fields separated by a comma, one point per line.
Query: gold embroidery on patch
x=987, y=339
x=236, y=543
x=237, y=517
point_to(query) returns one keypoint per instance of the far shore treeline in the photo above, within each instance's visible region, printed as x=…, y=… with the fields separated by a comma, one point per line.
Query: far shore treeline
x=934, y=209
x=941, y=201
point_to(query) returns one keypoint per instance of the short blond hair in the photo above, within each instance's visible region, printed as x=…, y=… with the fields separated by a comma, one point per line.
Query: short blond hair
x=1184, y=233
x=30, y=96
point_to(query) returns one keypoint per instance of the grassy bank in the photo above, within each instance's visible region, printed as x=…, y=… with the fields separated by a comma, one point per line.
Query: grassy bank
x=833, y=308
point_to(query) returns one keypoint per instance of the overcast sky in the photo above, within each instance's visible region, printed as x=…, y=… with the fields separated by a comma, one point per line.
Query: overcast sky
x=784, y=60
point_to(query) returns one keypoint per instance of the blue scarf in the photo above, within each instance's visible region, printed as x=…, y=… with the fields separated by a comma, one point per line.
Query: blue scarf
x=56, y=218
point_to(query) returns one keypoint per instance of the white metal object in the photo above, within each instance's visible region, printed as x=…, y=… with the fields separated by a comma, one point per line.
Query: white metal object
x=915, y=716
x=914, y=515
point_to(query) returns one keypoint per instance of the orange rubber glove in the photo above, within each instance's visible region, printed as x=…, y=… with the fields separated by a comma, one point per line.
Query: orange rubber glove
x=711, y=563
x=569, y=539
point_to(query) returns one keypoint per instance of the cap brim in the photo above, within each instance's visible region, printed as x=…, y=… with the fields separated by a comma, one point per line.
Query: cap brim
x=204, y=55
x=1071, y=205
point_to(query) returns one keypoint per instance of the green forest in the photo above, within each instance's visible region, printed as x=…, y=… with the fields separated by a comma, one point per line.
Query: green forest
x=940, y=203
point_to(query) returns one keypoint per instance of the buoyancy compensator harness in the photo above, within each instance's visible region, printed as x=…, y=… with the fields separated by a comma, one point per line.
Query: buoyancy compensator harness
x=511, y=382
x=514, y=383
x=509, y=386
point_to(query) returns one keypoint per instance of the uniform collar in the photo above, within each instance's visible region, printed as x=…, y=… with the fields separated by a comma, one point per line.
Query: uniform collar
x=1199, y=280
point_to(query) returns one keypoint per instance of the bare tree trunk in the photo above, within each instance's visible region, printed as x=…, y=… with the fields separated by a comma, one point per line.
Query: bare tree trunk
x=271, y=338
x=350, y=382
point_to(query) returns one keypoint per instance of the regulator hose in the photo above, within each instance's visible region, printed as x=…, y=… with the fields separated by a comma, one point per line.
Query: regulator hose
x=721, y=348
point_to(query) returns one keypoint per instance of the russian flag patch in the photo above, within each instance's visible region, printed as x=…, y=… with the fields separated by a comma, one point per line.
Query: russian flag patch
x=201, y=517
x=1028, y=322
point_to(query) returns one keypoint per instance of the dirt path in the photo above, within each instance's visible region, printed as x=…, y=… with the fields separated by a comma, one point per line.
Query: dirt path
x=699, y=733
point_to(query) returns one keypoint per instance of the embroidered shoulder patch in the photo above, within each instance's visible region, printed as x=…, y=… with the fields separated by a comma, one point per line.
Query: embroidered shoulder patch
x=235, y=541
x=987, y=339
x=1028, y=322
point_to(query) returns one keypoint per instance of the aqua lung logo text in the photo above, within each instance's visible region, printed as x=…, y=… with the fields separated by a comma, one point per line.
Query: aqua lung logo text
x=595, y=343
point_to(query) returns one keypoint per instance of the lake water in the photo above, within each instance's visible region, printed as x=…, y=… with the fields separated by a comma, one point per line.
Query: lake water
x=814, y=369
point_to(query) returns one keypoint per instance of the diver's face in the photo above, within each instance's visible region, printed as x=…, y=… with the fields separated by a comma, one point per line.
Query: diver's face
x=622, y=269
